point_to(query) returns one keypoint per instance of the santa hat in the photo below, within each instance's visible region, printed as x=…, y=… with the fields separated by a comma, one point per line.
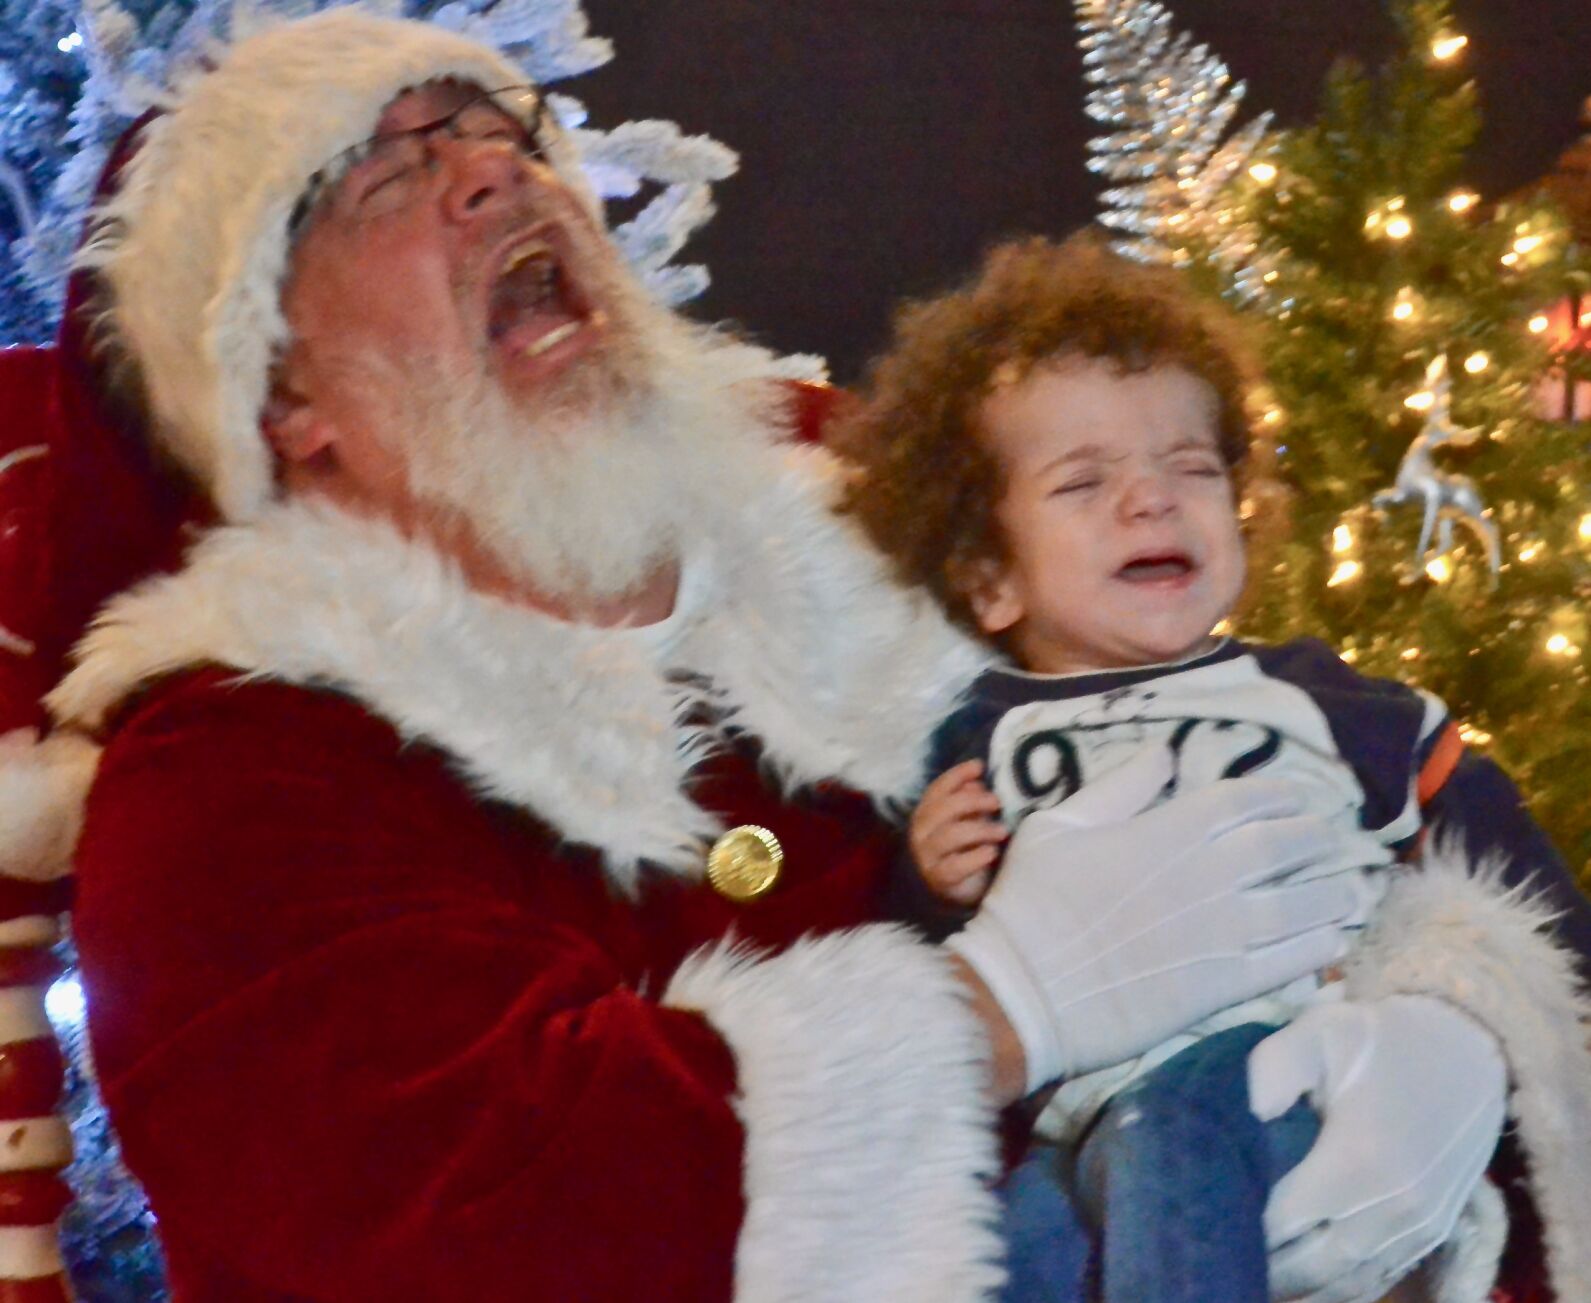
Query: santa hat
x=193, y=247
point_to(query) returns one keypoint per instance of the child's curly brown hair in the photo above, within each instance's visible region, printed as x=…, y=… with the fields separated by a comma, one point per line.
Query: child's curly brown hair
x=925, y=483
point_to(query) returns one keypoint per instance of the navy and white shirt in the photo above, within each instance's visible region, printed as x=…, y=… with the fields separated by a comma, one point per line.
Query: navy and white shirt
x=1376, y=754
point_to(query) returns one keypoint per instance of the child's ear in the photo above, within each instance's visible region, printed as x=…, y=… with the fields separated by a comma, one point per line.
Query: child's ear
x=995, y=601
x=292, y=426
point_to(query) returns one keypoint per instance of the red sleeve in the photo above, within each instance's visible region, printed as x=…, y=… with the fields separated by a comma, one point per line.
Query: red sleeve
x=352, y=1057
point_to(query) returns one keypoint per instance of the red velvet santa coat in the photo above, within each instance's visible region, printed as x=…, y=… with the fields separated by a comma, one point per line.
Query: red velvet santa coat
x=387, y=1006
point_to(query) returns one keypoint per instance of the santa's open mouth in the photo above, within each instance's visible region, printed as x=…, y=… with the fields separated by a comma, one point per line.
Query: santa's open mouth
x=536, y=305
x=1158, y=568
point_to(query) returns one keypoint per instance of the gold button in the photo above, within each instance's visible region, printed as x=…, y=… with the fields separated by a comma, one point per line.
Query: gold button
x=745, y=862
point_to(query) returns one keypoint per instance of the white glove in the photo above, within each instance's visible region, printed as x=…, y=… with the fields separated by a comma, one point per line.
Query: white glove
x=1100, y=942
x=1412, y=1096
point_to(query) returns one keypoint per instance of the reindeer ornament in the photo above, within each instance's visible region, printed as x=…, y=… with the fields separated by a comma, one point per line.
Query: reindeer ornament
x=1446, y=497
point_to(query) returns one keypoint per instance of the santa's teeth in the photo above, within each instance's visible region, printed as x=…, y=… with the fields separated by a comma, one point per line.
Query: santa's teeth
x=551, y=339
x=520, y=257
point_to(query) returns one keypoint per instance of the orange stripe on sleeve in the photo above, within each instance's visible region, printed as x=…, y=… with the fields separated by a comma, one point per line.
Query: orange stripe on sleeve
x=1439, y=765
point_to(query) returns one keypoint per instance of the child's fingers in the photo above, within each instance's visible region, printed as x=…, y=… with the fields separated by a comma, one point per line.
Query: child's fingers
x=962, y=879
x=954, y=777
x=971, y=800
x=962, y=835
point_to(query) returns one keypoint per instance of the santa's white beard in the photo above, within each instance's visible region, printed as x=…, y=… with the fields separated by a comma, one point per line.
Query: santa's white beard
x=586, y=495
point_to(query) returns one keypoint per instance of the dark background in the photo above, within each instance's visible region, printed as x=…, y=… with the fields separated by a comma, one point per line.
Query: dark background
x=885, y=143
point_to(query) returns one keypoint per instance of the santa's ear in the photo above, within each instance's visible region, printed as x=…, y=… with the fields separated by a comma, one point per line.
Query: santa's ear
x=986, y=584
x=292, y=425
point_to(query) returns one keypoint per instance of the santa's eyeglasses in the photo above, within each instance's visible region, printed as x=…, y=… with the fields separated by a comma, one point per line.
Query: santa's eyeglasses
x=388, y=171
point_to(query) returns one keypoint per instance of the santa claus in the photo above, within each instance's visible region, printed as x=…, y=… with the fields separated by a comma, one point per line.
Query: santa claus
x=480, y=864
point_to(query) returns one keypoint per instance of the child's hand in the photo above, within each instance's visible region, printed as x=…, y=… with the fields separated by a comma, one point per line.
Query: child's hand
x=955, y=834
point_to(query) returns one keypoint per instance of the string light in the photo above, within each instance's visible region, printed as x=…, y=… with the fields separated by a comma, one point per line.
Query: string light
x=1445, y=47
x=1264, y=173
x=1222, y=629
x=1342, y=539
x=1585, y=528
x=1472, y=736
x=1273, y=416
x=1539, y=323
x=1528, y=243
x=1349, y=655
x=1509, y=258
x=1440, y=569
x=1403, y=304
x=1421, y=400
x=1461, y=201
x=1345, y=573
x=1409, y=654
x=70, y=42
x=1528, y=552
x=1399, y=228
x=1475, y=363
x=1559, y=645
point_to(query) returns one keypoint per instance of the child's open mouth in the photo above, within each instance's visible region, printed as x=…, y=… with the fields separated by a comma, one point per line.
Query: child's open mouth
x=1156, y=568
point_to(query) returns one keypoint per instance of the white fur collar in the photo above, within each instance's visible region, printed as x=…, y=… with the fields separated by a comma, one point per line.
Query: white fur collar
x=801, y=636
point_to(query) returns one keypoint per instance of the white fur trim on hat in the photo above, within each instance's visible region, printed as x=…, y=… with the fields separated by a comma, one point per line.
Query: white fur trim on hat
x=42, y=789
x=194, y=244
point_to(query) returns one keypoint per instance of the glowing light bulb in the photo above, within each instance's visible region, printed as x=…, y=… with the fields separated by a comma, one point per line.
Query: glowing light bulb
x=1264, y=173
x=67, y=44
x=1222, y=629
x=64, y=1003
x=1345, y=573
x=1527, y=243
x=1271, y=277
x=1585, y=528
x=1475, y=363
x=1538, y=323
x=1445, y=47
x=1273, y=416
x=1342, y=539
x=1403, y=305
x=1559, y=645
x=1349, y=655
x=1461, y=201
x=1528, y=552
x=1421, y=400
x=1472, y=736
x=1440, y=569
x=1399, y=228
x=1509, y=259
x=1410, y=654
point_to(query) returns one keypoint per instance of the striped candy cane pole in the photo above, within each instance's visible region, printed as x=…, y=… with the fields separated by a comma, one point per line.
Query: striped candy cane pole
x=35, y=1143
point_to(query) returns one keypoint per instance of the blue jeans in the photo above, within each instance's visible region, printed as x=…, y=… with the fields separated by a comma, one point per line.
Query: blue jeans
x=1164, y=1200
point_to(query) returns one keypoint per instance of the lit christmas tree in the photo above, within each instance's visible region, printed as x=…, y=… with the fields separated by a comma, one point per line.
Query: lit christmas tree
x=1395, y=311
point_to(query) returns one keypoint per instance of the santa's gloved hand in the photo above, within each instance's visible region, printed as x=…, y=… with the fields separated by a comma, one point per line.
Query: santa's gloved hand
x=1412, y=1094
x=1100, y=941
